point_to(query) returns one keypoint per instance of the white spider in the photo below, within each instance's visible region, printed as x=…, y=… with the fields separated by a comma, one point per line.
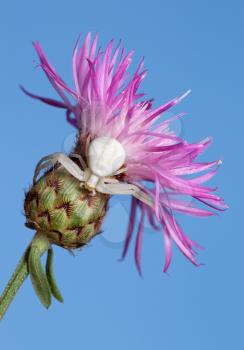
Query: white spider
x=105, y=157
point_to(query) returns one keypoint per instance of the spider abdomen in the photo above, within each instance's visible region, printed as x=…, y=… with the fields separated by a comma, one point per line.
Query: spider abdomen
x=105, y=156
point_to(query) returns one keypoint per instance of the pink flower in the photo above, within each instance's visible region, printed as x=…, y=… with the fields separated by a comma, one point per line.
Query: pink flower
x=106, y=102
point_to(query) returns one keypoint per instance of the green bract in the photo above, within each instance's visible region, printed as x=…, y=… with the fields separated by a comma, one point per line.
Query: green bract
x=66, y=213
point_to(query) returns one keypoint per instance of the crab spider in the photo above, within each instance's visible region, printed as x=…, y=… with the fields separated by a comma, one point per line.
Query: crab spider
x=105, y=159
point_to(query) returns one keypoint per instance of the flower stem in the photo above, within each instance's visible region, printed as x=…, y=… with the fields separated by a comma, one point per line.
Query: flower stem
x=21, y=273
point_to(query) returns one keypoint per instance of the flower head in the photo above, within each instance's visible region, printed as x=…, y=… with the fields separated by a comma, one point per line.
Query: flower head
x=106, y=103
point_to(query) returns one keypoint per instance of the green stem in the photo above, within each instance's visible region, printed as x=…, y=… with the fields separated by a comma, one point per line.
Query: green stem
x=21, y=273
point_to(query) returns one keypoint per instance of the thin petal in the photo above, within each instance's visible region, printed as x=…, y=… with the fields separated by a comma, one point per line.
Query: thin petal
x=46, y=100
x=131, y=225
x=138, y=245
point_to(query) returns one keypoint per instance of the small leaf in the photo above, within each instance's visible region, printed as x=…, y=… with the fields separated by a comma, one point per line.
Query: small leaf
x=50, y=276
x=38, y=277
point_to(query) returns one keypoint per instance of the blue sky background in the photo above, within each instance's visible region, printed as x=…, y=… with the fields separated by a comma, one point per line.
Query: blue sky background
x=186, y=44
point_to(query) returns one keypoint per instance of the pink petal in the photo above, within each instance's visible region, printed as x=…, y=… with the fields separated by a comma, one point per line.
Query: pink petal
x=138, y=245
x=130, y=228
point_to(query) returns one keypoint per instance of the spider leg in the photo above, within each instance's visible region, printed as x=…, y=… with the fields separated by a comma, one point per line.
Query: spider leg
x=142, y=196
x=39, y=167
x=124, y=188
x=109, y=180
x=64, y=160
x=120, y=171
x=44, y=163
x=81, y=160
